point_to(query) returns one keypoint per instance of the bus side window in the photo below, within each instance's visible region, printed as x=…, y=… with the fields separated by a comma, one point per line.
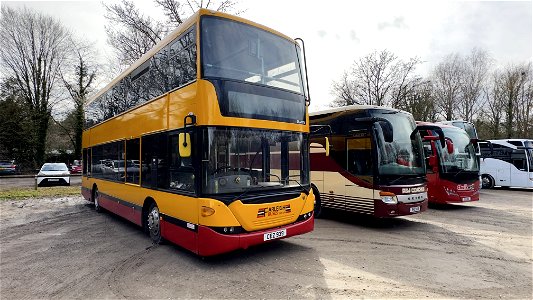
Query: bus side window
x=181, y=170
x=133, y=165
x=519, y=160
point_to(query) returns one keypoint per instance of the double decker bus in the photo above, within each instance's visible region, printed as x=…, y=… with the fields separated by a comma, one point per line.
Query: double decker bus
x=507, y=163
x=204, y=140
x=367, y=160
x=453, y=166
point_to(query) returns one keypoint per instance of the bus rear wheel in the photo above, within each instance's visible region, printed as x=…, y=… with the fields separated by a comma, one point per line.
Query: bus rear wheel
x=487, y=182
x=153, y=224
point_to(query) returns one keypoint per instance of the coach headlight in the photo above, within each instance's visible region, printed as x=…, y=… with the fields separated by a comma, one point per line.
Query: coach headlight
x=389, y=198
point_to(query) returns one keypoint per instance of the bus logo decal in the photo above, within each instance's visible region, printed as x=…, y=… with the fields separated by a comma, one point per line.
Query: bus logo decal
x=273, y=210
x=413, y=190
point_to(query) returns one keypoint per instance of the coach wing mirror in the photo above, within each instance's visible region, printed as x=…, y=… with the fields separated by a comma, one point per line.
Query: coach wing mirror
x=449, y=145
x=184, y=142
x=435, y=129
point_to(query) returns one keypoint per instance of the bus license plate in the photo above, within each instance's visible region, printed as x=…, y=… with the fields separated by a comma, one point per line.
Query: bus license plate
x=465, y=199
x=414, y=209
x=274, y=235
x=53, y=179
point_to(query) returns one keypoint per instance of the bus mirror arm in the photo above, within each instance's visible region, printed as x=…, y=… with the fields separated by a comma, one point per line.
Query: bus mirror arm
x=387, y=127
x=437, y=129
x=308, y=100
x=316, y=129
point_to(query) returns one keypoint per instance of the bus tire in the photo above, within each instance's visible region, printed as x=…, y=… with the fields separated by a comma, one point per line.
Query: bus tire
x=153, y=224
x=96, y=199
x=487, y=182
x=318, y=203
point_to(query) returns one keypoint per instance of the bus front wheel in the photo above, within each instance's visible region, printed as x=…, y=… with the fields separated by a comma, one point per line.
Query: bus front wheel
x=487, y=182
x=318, y=203
x=153, y=224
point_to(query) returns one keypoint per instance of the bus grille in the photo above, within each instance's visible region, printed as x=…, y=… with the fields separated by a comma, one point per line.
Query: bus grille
x=277, y=221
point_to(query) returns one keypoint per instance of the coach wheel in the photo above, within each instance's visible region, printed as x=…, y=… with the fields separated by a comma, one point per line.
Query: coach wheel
x=153, y=224
x=487, y=182
x=96, y=199
x=318, y=203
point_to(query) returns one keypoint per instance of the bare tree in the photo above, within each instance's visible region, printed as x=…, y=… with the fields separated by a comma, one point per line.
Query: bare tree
x=79, y=84
x=473, y=79
x=32, y=49
x=132, y=33
x=380, y=78
x=446, y=80
x=345, y=91
x=524, y=103
x=418, y=99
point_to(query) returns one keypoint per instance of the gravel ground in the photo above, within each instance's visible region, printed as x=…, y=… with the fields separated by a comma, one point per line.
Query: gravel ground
x=61, y=248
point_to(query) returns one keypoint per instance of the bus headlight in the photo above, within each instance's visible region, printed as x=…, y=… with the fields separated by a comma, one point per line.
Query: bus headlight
x=389, y=198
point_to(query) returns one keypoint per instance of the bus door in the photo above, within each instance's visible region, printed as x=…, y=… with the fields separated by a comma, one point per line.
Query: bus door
x=519, y=168
x=359, y=180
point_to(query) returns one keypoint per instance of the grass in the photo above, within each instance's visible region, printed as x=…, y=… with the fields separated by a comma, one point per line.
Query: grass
x=22, y=193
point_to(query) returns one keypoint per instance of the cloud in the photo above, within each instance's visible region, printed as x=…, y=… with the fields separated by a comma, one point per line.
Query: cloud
x=353, y=36
x=398, y=22
x=322, y=33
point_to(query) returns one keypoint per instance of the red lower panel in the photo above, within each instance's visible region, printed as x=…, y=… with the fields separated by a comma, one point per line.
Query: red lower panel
x=211, y=243
x=86, y=193
x=384, y=210
x=179, y=236
x=127, y=212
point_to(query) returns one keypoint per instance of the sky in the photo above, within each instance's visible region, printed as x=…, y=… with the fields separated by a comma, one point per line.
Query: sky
x=338, y=32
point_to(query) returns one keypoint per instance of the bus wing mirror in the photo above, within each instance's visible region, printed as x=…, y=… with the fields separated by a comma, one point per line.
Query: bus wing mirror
x=449, y=146
x=184, y=142
x=327, y=146
x=436, y=129
x=431, y=138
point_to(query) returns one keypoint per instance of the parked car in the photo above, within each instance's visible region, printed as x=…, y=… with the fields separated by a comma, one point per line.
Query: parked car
x=53, y=174
x=8, y=167
x=76, y=167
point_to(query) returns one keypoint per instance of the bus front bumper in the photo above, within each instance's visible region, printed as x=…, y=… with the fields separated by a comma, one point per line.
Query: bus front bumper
x=384, y=210
x=211, y=242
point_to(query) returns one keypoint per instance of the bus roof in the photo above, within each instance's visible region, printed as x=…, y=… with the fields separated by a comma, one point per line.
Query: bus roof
x=441, y=125
x=527, y=143
x=349, y=108
x=174, y=34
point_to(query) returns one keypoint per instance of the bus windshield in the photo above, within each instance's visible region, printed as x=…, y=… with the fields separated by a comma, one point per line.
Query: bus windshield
x=256, y=73
x=234, y=50
x=463, y=157
x=239, y=160
x=402, y=156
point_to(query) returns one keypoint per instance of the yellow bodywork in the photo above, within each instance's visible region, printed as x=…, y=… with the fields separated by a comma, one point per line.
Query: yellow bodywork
x=167, y=112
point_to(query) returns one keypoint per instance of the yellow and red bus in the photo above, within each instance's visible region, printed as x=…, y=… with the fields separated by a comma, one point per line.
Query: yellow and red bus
x=371, y=163
x=204, y=141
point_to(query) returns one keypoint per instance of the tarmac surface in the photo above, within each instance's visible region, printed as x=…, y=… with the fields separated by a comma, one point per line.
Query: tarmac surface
x=61, y=248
